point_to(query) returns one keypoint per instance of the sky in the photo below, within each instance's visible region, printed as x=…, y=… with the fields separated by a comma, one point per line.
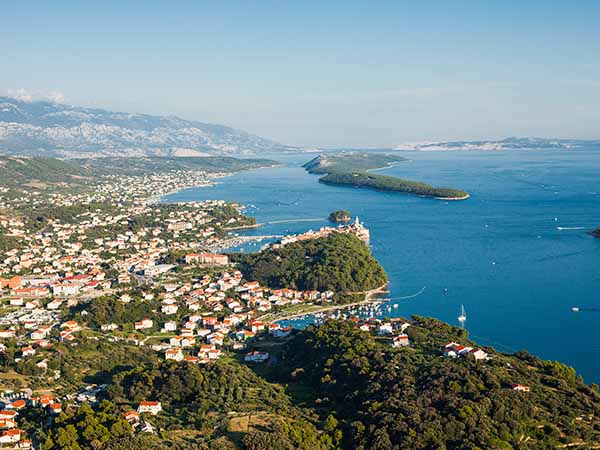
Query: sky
x=318, y=73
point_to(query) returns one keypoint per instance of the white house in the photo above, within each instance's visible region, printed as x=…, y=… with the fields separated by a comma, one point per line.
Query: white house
x=169, y=327
x=149, y=407
x=10, y=436
x=144, y=324
x=169, y=309
x=386, y=328
x=400, y=341
x=174, y=353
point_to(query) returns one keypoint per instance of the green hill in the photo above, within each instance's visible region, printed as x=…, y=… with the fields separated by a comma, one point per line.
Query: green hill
x=338, y=262
x=18, y=170
x=142, y=165
x=413, y=398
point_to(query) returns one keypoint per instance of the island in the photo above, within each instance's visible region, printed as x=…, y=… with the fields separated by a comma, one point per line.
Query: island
x=340, y=215
x=354, y=169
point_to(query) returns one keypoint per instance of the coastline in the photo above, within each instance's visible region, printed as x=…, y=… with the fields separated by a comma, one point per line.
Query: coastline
x=452, y=199
x=244, y=227
x=211, y=181
x=324, y=308
x=158, y=197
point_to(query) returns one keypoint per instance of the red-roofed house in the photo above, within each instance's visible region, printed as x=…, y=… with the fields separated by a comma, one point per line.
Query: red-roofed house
x=149, y=407
x=10, y=436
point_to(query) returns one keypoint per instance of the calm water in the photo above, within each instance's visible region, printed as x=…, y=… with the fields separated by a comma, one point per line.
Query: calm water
x=500, y=253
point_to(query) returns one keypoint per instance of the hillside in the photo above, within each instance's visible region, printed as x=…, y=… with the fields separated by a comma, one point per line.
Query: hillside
x=380, y=397
x=332, y=386
x=19, y=170
x=143, y=165
x=338, y=262
x=53, y=129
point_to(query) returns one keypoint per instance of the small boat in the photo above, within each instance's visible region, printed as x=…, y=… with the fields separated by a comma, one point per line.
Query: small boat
x=575, y=309
x=463, y=315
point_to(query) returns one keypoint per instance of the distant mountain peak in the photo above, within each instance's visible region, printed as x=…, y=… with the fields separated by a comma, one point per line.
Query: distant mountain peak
x=55, y=129
x=509, y=143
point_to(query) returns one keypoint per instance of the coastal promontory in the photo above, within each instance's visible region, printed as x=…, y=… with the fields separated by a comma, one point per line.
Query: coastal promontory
x=354, y=169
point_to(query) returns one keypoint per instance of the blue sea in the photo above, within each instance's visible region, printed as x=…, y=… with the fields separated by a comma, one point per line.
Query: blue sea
x=516, y=254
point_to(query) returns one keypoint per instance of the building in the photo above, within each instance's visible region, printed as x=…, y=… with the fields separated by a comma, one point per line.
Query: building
x=454, y=350
x=520, y=387
x=55, y=408
x=174, y=353
x=158, y=269
x=386, y=328
x=169, y=327
x=131, y=416
x=400, y=341
x=144, y=324
x=149, y=407
x=10, y=436
x=207, y=258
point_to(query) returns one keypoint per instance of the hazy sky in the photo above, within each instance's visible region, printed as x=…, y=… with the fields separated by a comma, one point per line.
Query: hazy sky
x=322, y=73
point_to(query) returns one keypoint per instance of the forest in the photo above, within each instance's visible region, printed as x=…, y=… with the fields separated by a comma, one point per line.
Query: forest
x=337, y=262
x=391, y=184
x=412, y=398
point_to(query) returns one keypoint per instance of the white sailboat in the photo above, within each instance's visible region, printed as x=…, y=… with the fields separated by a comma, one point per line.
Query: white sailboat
x=463, y=315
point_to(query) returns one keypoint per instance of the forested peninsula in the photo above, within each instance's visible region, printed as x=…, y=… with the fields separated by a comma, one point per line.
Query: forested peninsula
x=352, y=169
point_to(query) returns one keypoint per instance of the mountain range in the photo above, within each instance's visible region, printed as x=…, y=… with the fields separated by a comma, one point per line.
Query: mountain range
x=511, y=143
x=59, y=130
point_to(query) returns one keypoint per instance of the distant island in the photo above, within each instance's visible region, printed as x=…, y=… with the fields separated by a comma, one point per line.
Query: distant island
x=340, y=215
x=511, y=143
x=352, y=169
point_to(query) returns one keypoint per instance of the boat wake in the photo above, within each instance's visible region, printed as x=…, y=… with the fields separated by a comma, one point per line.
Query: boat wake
x=409, y=296
x=570, y=228
x=295, y=220
x=578, y=309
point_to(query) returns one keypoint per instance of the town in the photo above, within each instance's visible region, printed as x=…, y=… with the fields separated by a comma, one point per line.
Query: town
x=69, y=252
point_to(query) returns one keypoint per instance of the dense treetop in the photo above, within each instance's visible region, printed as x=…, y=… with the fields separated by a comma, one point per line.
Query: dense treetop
x=341, y=215
x=337, y=262
x=412, y=398
x=391, y=184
